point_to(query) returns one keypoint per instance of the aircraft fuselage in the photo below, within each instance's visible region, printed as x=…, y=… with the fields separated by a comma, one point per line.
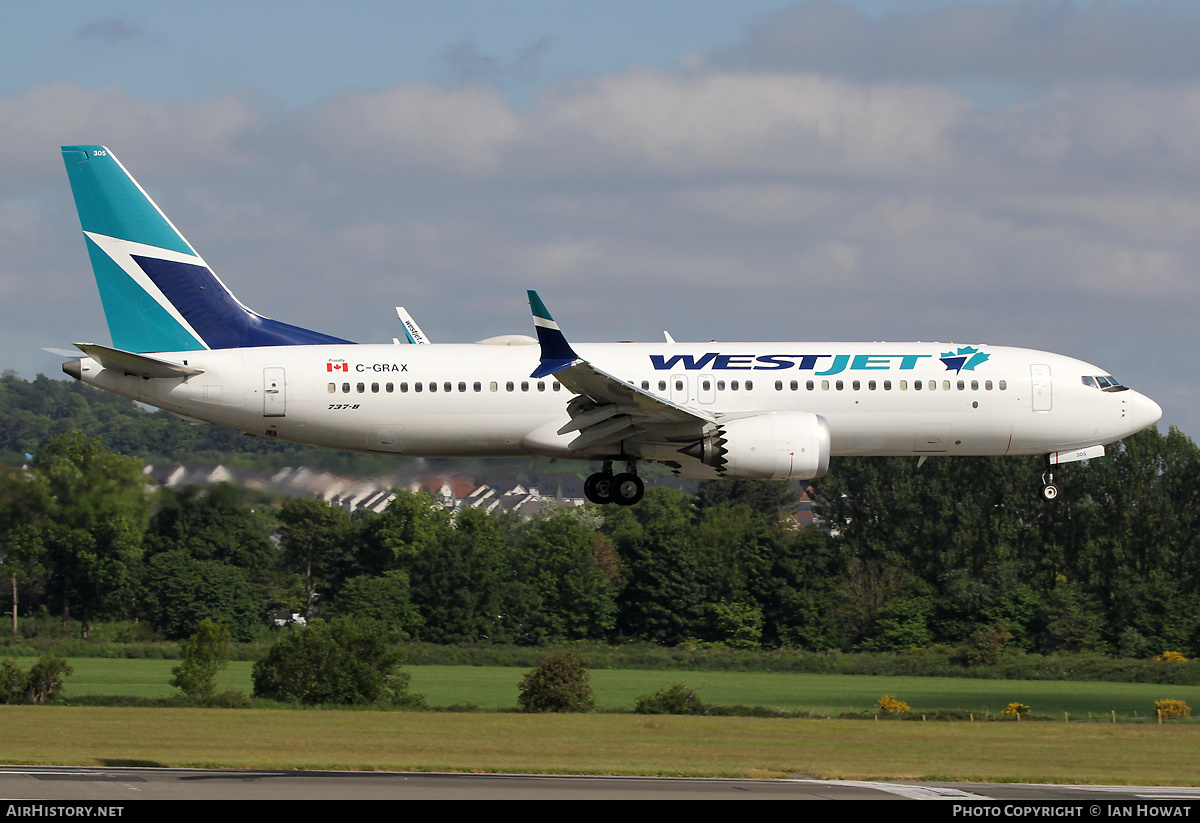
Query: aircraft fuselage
x=457, y=400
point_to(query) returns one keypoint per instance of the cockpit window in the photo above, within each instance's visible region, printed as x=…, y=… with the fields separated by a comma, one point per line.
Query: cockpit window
x=1104, y=382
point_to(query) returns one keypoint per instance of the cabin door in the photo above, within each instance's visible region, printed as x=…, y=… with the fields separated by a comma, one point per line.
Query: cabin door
x=274, y=397
x=1043, y=397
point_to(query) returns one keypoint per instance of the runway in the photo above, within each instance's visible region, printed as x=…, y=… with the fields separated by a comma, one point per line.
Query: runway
x=129, y=785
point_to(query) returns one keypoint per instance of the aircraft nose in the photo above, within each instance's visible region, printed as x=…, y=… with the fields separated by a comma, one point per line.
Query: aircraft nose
x=1143, y=412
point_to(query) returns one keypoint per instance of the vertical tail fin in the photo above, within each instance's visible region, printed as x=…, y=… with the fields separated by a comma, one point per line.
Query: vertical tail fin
x=158, y=293
x=411, y=330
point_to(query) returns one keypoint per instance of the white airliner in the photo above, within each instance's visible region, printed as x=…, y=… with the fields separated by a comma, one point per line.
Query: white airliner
x=182, y=342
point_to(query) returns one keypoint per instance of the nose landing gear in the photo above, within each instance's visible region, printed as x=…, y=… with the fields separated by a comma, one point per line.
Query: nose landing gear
x=1049, y=490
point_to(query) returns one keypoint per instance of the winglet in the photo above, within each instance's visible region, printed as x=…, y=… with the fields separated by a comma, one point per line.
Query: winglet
x=557, y=353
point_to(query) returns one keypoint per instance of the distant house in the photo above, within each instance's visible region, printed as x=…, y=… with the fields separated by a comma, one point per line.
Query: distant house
x=281, y=619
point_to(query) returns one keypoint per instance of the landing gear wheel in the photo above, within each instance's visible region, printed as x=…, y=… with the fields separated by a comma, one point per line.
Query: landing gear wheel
x=1049, y=490
x=627, y=489
x=598, y=488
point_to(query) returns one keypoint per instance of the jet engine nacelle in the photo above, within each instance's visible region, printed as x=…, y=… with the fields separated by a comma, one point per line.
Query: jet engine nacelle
x=767, y=446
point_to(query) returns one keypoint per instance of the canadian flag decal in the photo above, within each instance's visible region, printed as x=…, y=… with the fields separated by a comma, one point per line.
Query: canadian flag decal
x=337, y=365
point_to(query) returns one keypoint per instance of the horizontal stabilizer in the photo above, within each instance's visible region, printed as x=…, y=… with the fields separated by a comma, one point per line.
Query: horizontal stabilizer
x=139, y=365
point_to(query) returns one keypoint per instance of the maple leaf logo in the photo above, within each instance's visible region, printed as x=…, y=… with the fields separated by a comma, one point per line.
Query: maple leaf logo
x=967, y=357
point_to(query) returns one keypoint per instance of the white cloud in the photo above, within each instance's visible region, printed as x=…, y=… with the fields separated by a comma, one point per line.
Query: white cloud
x=460, y=130
x=717, y=123
x=1033, y=43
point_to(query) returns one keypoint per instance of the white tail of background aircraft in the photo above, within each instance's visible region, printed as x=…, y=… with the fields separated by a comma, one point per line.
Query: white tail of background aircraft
x=411, y=330
x=182, y=342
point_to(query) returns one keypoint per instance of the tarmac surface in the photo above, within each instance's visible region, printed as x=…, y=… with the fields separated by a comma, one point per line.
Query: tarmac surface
x=124, y=785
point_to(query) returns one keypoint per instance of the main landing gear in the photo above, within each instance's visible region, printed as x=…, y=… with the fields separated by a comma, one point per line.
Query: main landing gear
x=623, y=489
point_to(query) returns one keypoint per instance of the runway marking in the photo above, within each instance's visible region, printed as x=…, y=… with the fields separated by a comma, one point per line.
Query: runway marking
x=910, y=792
x=1148, y=792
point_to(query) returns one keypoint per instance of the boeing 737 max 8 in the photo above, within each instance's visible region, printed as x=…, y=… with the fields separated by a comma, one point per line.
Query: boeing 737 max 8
x=182, y=342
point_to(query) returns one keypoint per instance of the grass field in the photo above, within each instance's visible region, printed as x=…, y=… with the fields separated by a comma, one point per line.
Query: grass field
x=612, y=743
x=601, y=744
x=495, y=688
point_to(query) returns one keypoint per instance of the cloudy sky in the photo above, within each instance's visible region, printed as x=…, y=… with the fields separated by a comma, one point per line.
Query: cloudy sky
x=1021, y=172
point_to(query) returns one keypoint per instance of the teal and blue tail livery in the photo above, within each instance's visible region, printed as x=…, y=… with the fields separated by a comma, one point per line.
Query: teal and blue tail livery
x=158, y=293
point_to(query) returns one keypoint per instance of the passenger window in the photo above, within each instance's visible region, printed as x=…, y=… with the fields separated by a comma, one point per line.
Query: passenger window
x=447, y=386
x=662, y=385
x=462, y=386
x=556, y=385
x=332, y=388
x=887, y=385
x=390, y=388
x=477, y=386
x=916, y=385
x=645, y=385
x=541, y=385
x=733, y=385
x=403, y=388
x=749, y=385
x=840, y=385
x=375, y=388
x=903, y=385
x=1003, y=385
x=345, y=388
x=796, y=385
x=809, y=385
x=856, y=385
x=493, y=386
x=432, y=386
x=824, y=385
x=987, y=384
x=871, y=385
x=509, y=385
x=720, y=385
x=361, y=388
x=974, y=385
x=418, y=387
x=778, y=385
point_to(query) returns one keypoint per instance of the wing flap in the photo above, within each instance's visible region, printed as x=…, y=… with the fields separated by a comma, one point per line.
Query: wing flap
x=604, y=389
x=607, y=409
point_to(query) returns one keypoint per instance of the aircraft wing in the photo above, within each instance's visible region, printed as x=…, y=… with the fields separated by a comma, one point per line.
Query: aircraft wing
x=607, y=409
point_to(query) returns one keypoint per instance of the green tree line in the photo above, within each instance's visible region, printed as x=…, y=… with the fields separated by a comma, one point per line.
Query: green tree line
x=958, y=551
